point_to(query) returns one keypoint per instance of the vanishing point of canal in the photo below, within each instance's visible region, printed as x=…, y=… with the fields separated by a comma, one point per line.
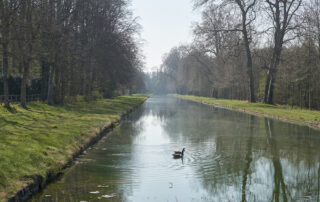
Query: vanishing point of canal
x=230, y=156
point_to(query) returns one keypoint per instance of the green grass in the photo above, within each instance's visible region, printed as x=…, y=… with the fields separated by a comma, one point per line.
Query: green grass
x=303, y=116
x=43, y=138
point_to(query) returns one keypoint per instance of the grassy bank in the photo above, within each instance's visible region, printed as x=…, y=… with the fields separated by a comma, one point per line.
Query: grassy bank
x=44, y=138
x=299, y=116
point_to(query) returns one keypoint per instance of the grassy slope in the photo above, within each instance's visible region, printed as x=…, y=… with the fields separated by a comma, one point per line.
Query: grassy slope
x=44, y=137
x=306, y=117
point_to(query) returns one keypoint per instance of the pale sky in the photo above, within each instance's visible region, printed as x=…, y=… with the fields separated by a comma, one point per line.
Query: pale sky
x=165, y=24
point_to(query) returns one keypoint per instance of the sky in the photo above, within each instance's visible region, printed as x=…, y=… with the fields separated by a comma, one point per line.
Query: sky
x=165, y=24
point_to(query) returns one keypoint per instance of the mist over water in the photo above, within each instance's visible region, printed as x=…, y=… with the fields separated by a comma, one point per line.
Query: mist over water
x=230, y=156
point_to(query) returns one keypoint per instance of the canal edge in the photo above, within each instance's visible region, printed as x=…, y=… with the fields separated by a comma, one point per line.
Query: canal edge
x=315, y=126
x=41, y=183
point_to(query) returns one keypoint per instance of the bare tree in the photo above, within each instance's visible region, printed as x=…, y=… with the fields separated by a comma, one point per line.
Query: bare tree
x=247, y=11
x=7, y=17
x=282, y=13
x=84, y=47
x=26, y=34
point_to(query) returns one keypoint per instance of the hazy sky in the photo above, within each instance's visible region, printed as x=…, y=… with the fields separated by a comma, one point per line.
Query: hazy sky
x=166, y=23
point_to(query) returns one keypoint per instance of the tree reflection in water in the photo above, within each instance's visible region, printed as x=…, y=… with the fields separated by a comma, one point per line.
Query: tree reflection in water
x=279, y=184
x=248, y=159
x=230, y=156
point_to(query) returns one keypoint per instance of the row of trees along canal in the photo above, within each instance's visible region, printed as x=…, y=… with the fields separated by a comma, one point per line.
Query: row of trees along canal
x=267, y=51
x=62, y=49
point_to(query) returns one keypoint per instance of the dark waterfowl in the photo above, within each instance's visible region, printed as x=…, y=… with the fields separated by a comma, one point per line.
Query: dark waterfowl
x=178, y=154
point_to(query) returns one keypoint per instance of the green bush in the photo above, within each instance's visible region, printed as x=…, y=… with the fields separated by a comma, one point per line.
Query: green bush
x=95, y=95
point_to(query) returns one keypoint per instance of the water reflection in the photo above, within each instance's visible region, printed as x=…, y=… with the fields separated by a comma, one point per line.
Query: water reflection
x=230, y=156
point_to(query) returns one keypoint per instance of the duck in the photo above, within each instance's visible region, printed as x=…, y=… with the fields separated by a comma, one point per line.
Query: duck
x=178, y=154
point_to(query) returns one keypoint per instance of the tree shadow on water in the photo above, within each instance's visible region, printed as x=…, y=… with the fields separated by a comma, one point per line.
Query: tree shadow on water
x=279, y=184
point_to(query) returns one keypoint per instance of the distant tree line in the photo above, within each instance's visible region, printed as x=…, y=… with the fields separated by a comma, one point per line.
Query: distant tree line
x=70, y=48
x=266, y=51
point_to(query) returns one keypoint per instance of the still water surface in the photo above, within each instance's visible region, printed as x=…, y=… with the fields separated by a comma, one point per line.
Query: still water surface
x=230, y=156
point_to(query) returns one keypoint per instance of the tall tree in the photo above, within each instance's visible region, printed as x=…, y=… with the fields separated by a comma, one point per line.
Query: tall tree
x=26, y=34
x=246, y=9
x=7, y=16
x=282, y=13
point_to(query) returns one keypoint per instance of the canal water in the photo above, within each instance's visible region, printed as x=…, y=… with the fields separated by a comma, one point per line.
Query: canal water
x=230, y=156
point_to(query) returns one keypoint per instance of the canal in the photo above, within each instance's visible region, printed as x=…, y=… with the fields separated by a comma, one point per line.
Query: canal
x=230, y=156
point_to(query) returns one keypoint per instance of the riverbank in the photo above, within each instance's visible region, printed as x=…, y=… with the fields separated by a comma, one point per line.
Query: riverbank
x=36, y=144
x=298, y=116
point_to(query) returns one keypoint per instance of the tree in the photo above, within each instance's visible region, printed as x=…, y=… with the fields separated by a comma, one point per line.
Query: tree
x=246, y=9
x=25, y=33
x=7, y=17
x=282, y=13
x=83, y=48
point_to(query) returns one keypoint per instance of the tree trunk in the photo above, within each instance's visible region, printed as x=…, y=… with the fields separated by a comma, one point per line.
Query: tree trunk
x=45, y=67
x=23, y=93
x=249, y=58
x=63, y=87
x=268, y=93
x=5, y=75
x=271, y=76
x=309, y=96
x=50, y=86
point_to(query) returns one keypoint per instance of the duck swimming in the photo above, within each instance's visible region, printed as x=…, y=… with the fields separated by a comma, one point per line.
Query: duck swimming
x=178, y=154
